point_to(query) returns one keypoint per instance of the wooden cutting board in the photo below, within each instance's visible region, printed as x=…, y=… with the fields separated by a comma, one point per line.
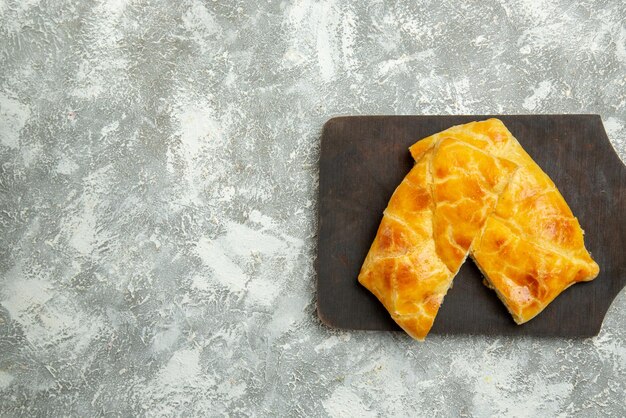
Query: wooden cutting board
x=364, y=158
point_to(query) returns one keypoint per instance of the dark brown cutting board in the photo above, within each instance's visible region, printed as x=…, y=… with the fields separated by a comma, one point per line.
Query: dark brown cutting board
x=364, y=158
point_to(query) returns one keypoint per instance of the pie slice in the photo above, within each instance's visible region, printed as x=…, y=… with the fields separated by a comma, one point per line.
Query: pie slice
x=426, y=232
x=531, y=247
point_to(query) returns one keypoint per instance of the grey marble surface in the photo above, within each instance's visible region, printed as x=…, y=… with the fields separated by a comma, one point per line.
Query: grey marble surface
x=158, y=179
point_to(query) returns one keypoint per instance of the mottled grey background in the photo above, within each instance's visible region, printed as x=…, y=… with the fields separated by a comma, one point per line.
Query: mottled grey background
x=158, y=186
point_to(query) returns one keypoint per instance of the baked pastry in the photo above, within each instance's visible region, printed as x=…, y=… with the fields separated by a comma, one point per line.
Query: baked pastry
x=426, y=232
x=531, y=247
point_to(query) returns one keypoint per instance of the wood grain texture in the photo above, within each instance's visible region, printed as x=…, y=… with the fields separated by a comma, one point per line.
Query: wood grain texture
x=364, y=158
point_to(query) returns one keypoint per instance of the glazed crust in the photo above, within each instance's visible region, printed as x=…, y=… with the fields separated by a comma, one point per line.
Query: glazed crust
x=432, y=219
x=531, y=247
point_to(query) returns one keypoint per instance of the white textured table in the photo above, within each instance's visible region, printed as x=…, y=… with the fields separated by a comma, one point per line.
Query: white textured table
x=158, y=184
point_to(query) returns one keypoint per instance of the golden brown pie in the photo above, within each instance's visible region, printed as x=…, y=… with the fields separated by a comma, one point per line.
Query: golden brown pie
x=531, y=247
x=432, y=219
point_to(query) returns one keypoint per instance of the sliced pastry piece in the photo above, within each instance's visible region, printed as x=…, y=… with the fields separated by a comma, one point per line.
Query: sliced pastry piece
x=531, y=248
x=428, y=227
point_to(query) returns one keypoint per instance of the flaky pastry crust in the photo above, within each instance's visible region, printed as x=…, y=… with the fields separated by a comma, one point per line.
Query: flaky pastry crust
x=531, y=247
x=431, y=221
